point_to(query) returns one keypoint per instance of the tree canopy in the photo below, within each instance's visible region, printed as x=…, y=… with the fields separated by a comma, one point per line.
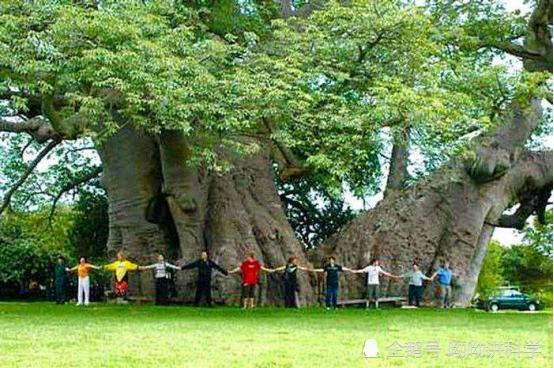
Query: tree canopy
x=332, y=86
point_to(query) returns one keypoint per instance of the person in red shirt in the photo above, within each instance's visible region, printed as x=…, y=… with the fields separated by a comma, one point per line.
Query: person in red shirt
x=250, y=270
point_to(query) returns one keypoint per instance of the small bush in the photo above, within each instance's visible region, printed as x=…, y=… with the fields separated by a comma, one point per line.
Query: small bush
x=545, y=297
x=23, y=260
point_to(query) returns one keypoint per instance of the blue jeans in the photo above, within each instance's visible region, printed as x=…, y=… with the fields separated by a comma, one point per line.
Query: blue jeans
x=446, y=292
x=331, y=296
x=414, y=295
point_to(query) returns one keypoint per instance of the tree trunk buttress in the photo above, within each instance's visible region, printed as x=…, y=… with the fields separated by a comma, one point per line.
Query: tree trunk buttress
x=131, y=178
x=158, y=203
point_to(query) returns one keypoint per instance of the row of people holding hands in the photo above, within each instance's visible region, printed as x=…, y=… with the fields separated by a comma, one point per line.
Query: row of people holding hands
x=250, y=269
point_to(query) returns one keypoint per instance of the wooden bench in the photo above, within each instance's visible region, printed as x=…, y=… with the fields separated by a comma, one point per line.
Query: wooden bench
x=386, y=301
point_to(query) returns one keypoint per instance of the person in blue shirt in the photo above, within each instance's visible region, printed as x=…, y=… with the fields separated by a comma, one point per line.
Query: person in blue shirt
x=444, y=276
x=332, y=271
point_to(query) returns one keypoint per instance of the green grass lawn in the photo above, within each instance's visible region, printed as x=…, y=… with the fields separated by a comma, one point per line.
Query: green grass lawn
x=102, y=335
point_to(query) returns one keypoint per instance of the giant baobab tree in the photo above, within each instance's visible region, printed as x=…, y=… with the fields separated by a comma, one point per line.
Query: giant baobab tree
x=192, y=118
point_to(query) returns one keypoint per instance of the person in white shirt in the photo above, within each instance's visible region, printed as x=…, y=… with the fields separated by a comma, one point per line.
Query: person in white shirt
x=162, y=278
x=373, y=271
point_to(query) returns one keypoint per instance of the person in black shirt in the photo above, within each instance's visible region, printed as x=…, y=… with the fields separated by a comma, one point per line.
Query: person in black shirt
x=291, y=282
x=204, y=286
x=331, y=271
x=60, y=281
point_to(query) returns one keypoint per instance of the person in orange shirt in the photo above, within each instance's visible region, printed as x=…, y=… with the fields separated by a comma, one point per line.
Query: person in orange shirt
x=83, y=287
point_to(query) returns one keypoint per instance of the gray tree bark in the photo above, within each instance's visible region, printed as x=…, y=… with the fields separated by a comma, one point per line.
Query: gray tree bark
x=399, y=161
x=158, y=203
x=449, y=215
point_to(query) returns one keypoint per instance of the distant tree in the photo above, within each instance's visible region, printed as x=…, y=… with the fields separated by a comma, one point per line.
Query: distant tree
x=490, y=277
x=539, y=236
x=314, y=213
x=526, y=267
x=88, y=235
x=35, y=225
x=25, y=254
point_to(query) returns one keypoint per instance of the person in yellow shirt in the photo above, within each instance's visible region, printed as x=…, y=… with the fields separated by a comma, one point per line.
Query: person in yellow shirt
x=120, y=268
x=83, y=286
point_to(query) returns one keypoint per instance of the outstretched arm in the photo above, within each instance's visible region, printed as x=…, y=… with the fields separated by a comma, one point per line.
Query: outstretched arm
x=270, y=270
x=110, y=266
x=95, y=267
x=389, y=274
x=172, y=266
x=73, y=269
x=131, y=266
x=235, y=270
x=399, y=276
x=149, y=267
x=190, y=266
x=426, y=278
x=282, y=268
x=219, y=268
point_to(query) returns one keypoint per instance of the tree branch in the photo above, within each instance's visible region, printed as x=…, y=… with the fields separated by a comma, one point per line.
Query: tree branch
x=542, y=15
x=36, y=127
x=496, y=153
x=290, y=165
x=534, y=194
x=399, y=161
x=27, y=173
x=539, y=37
x=69, y=186
x=532, y=203
x=536, y=50
x=516, y=50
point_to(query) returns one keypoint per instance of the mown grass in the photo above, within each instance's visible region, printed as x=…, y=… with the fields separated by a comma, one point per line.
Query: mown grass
x=102, y=335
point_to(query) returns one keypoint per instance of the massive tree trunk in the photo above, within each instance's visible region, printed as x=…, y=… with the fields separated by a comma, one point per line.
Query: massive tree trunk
x=451, y=214
x=158, y=203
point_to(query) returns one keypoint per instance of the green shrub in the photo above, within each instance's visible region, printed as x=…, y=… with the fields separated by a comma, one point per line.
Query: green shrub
x=545, y=296
x=88, y=234
x=490, y=277
x=30, y=246
x=23, y=260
